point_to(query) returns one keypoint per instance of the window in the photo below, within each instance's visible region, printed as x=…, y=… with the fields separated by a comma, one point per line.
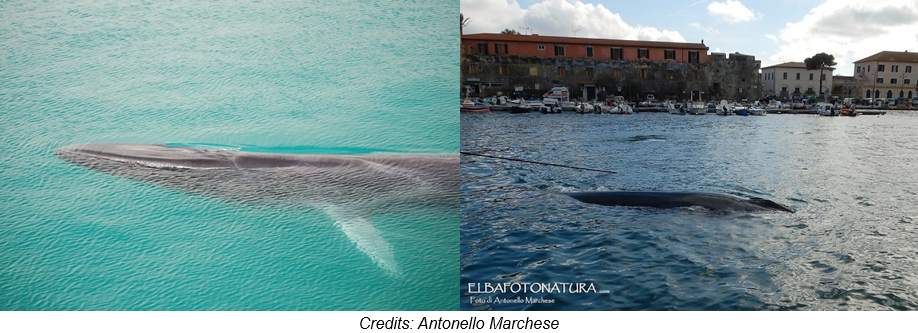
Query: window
x=881, y=68
x=643, y=53
x=868, y=71
x=669, y=54
x=879, y=80
x=785, y=76
x=908, y=81
x=908, y=69
x=876, y=93
x=482, y=48
x=541, y=47
x=798, y=76
x=811, y=76
x=589, y=50
x=895, y=68
x=500, y=49
x=901, y=94
x=868, y=93
x=670, y=74
x=889, y=94
x=560, y=71
x=893, y=81
x=473, y=69
x=533, y=71
x=616, y=53
x=644, y=73
x=559, y=51
x=504, y=70
x=693, y=57
x=858, y=70
x=797, y=91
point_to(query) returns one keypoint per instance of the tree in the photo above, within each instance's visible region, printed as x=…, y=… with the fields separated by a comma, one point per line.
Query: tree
x=820, y=61
x=509, y=32
x=463, y=22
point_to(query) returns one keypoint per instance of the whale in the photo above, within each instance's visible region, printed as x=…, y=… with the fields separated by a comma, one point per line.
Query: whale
x=350, y=189
x=712, y=201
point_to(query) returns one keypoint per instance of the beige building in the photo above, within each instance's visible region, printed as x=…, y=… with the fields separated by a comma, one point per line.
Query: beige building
x=793, y=79
x=887, y=74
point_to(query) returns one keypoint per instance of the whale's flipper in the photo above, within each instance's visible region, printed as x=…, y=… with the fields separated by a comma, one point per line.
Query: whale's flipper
x=365, y=236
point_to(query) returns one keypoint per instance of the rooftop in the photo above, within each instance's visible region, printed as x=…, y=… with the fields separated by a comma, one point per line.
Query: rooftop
x=892, y=56
x=578, y=40
x=788, y=65
x=793, y=64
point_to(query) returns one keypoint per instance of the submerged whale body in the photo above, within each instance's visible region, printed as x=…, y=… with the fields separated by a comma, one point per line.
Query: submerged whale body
x=711, y=201
x=351, y=189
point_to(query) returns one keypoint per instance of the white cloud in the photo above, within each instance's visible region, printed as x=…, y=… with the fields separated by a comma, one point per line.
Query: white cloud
x=709, y=30
x=850, y=30
x=731, y=11
x=556, y=18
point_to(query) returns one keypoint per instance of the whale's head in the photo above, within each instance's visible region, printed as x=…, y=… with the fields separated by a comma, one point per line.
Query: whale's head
x=99, y=155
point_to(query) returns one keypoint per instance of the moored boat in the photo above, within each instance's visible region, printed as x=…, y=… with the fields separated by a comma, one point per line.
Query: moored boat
x=550, y=105
x=584, y=108
x=671, y=108
x=697, y=109
x=469, y=106
x=524, y=106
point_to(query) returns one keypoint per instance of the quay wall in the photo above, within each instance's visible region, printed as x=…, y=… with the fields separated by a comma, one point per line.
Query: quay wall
x=735, y=77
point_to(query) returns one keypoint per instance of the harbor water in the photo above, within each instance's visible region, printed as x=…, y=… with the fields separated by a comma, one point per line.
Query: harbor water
x=850, y=245
x=295, y=77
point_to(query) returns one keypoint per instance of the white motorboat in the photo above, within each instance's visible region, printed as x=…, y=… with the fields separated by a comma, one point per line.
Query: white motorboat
x=625, y=109
x=671, y=108
x=524, y=106
x=584, y=108
x=774, y=106
x=757, y=111
x=697, y=109
x=550, y=105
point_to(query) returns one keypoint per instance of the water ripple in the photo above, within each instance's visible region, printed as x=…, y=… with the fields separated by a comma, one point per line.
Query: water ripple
x=849, y=246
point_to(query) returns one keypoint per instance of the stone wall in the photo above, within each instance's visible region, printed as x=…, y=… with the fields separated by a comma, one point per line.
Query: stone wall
x=734, y=78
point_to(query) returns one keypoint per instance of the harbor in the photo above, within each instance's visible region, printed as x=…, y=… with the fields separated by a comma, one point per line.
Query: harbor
x=847, y=246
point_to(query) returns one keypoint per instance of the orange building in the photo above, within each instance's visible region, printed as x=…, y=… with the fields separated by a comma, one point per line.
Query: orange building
x=585, y=48
x=591, y=68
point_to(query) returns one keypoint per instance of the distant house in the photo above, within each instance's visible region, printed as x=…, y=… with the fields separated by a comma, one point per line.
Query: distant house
x=887, y=74
x=793, y=79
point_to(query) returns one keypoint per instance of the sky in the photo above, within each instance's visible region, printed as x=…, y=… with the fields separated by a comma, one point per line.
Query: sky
x=774, y=31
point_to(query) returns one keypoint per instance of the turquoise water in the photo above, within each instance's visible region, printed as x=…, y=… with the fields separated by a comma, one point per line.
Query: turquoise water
x=262, y=76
